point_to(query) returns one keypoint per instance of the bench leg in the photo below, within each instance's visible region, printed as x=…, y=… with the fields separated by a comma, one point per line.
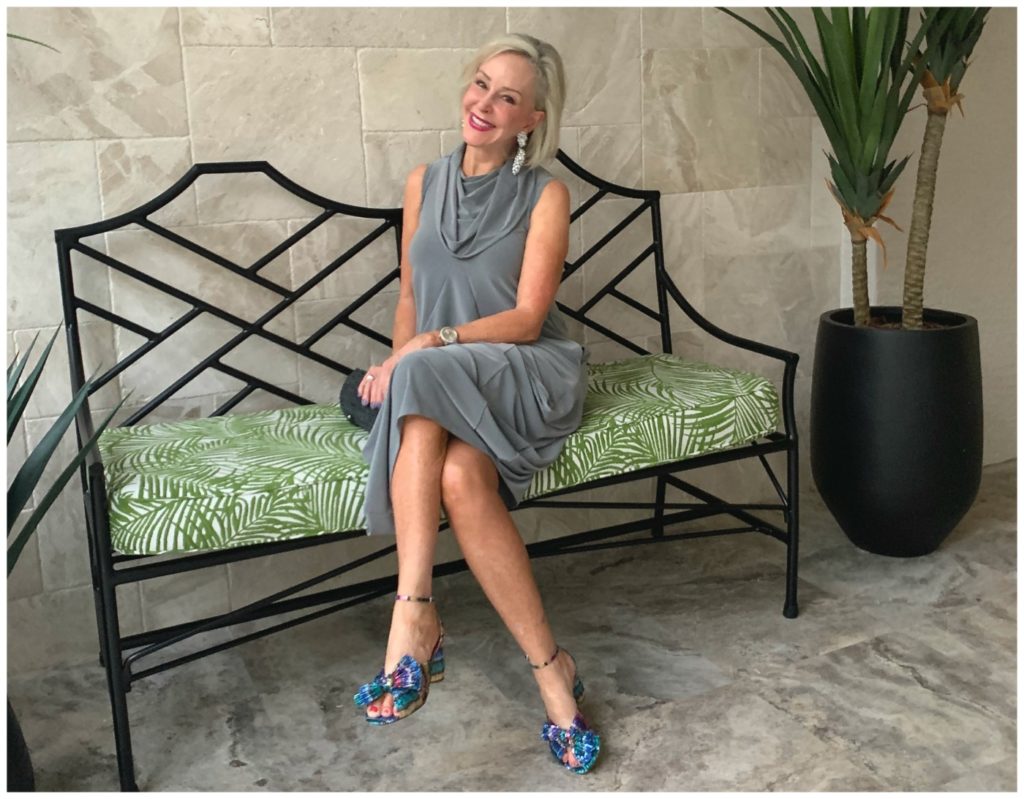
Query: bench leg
x=658, y=528
x=118, y=683
x=790, y=609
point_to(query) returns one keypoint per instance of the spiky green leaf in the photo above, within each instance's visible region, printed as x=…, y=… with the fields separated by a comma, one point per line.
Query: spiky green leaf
x=18, y=396
x=15, y=547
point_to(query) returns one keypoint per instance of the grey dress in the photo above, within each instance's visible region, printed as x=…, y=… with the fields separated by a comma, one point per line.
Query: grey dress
x=515, y=402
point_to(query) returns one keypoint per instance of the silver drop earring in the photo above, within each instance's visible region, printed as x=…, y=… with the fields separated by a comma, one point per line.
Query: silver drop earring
x=517, y=164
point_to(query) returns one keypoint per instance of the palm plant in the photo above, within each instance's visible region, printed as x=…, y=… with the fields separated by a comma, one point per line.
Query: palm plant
x=859, y=97
x=24, y=483
x=949, y=47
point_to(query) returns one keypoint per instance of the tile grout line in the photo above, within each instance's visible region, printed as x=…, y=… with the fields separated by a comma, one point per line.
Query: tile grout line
x=188, y=113
x=107, y=278
x=362, y=122
x=643, y=164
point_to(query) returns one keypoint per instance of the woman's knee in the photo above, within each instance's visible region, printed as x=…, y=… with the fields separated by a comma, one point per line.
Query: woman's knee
x=466, y=474
x=412, y=366
x=422, y=434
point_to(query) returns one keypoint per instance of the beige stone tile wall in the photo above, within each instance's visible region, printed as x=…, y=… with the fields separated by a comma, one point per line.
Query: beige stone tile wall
x=346, y=101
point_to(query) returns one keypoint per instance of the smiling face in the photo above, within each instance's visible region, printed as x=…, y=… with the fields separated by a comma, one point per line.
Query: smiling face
x=499, y=103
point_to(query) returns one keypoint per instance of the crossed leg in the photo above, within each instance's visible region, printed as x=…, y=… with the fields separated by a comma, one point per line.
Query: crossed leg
x=434, y=467
x=496, y=554
x=416, y=502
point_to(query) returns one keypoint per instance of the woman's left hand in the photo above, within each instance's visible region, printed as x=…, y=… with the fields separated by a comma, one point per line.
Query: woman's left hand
x=374, y=387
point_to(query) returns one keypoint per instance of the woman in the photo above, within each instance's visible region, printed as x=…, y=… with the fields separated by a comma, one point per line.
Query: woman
x=484, y=384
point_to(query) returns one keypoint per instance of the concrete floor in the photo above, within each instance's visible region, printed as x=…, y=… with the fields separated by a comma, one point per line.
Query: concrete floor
x=898, y=675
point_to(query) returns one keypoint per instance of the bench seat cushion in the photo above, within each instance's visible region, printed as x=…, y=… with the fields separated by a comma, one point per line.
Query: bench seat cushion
x=234, y=480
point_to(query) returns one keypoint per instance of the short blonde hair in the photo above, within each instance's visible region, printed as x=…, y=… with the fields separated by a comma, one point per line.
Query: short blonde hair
x=549, y=88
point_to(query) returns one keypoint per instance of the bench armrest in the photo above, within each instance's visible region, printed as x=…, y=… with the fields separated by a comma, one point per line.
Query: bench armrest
x=730, y=338
x=789, y=358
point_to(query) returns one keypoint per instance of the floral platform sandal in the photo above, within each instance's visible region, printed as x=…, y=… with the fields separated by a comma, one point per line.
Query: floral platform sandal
x=406, y=683
x=578, y=738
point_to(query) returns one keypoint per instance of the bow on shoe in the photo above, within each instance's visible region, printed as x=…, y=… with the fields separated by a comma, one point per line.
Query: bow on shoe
x=404, y=683
x=579, y=739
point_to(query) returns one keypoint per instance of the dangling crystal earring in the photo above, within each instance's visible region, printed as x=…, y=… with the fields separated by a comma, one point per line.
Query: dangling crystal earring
x=517, y=164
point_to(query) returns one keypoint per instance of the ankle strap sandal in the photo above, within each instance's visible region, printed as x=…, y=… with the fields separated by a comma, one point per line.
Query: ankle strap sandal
x=577, y=688
x=411, y=598
x=409, y=682
x=583, y=742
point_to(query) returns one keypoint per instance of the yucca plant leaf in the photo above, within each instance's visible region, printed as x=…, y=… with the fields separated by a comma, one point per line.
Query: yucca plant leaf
x=836, y=46
x=890, y=179
x=859, y=22
x=896, y=54
x=16, y=367
x=33, y=41
x=814, y=86
x=17, y=401
x=875, y=89
x=873, y=78
x=843, y=184
x=895, y=31
x=31, y=470
x=756, y=29
x=873, y=126
x=797, y=34
x=15, y=547
x=811, y=75
x=929, y=29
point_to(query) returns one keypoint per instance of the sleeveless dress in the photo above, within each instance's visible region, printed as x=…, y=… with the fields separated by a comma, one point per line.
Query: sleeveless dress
x=515, y=402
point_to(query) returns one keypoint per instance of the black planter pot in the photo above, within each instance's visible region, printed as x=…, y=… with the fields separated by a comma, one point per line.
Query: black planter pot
x=19, y=764
x=896, y=428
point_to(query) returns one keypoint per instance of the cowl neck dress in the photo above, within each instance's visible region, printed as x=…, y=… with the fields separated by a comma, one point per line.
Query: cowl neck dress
x=515, y=402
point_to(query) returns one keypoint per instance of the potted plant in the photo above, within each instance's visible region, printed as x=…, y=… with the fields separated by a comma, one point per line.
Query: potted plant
x=19, y=764
x=896, y=409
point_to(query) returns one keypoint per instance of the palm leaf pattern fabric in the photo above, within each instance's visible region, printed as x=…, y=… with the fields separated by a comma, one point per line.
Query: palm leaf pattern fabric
x=228, y=481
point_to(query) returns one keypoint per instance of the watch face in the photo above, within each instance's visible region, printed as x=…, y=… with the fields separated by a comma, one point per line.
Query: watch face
x=448, y=335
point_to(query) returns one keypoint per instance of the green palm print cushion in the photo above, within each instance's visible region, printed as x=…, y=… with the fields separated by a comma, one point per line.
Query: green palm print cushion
x=228, y=481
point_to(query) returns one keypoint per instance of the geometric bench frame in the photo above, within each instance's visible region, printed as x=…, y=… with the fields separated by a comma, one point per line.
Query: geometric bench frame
x=121, y=655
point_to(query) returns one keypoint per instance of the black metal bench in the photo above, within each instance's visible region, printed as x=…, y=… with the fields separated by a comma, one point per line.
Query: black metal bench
x=122, y=655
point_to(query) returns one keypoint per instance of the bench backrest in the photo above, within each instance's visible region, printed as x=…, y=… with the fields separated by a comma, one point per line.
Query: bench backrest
x=216, y=289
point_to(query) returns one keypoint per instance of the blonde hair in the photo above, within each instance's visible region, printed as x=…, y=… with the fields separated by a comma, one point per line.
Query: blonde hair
x=549, y=89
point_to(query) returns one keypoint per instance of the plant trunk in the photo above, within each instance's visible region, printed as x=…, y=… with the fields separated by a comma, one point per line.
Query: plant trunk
x=861, y=302
x=921, y=221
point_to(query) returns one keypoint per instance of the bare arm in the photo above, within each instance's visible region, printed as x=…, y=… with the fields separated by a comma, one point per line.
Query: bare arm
x=403, y=333
x=405, y=311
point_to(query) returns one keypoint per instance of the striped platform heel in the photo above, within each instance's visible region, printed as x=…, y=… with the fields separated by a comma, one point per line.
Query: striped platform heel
x=578, y=738
x=409, y=683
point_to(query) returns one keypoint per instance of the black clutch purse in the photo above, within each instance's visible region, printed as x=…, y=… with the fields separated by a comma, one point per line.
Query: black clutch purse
x=352, y=405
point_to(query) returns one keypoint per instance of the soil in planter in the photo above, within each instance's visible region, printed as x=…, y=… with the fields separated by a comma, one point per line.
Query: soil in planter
x=887, y=324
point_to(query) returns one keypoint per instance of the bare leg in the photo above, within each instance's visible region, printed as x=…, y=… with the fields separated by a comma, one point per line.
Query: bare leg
x=416, y=501
x=495, y=553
